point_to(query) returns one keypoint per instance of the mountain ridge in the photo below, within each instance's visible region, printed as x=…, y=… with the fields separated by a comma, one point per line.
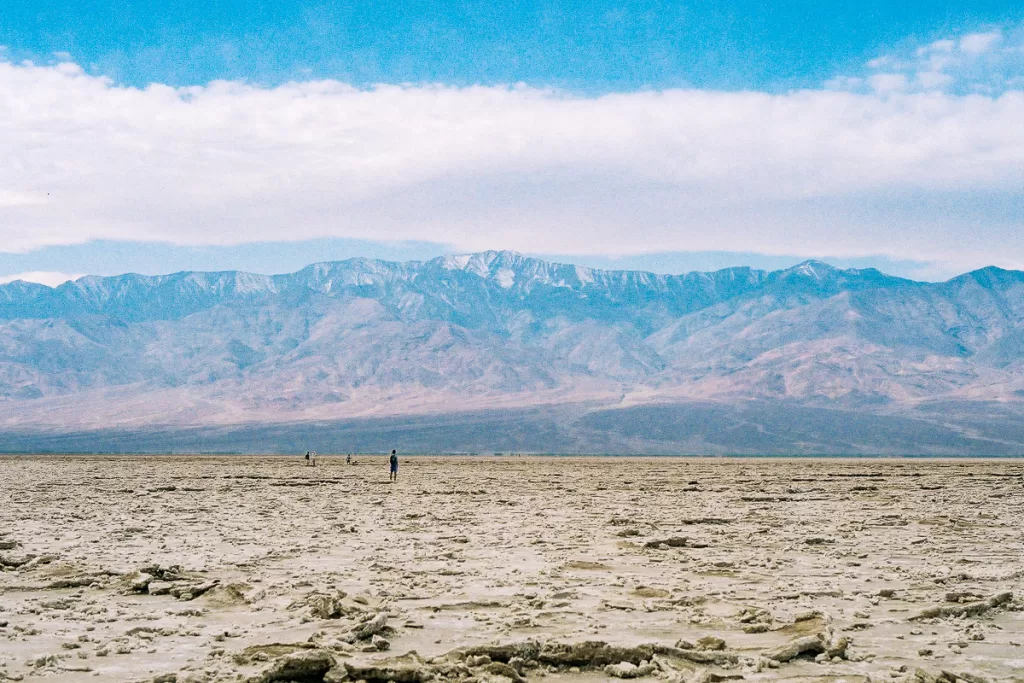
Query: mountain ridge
x=480, y=264
x=497, y=330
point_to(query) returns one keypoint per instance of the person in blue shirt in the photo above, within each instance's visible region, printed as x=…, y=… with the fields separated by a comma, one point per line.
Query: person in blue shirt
x=393, y=461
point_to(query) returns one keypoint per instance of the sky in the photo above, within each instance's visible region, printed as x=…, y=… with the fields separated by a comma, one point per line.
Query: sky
x=670, y=136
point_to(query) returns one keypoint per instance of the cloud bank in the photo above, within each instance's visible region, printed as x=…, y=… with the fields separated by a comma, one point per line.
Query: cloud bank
x=891, y=169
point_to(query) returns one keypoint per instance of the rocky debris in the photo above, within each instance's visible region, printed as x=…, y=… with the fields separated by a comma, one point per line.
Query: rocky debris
x=172, y=573
x=805, y=645
x=592, y=654
x=525, y=650
x=477, y=660
x=838, y=648
x=944, y=676
x=291, y=565
x=182, y=590
x=158, y=580
x=269, y=651
x=752, y=615
x=335, y=606
x=584, y=655
x=224, y=595
x=585, y=565
x=755, y=620
x=621, y=521
x=308, y=666
x=15, y=561
x=369, y=628
x=76, y=582
x=970, y=678
x=710, y=643
x=689, y=654
x=974, y=632
x=139, y=582
x=505, y=670
x=813, y=615
x=191, y=591
x=336, y=675
x=969, y=609
x=408, y=668
x=513, y=659
x=49, y=558
x=674, y=670
x=630, y=670
x=675, y=542
x=9, y=544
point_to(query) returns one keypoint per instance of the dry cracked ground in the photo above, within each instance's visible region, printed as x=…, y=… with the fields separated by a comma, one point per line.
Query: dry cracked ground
x=194, y=569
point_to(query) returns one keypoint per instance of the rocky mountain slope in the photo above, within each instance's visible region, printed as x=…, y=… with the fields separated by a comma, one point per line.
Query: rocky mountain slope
x=497, y=331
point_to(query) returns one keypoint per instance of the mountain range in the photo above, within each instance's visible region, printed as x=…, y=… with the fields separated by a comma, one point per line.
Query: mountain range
x=500, y=352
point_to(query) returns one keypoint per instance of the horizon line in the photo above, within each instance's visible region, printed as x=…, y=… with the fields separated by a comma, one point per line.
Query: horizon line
x=495, y=252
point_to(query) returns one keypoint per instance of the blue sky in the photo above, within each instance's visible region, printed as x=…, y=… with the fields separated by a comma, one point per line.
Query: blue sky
x=673, y=136
x=596, y=46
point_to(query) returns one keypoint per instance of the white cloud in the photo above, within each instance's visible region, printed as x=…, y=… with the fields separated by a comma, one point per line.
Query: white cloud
x=931, y=80
x=809, y=172
x=944, y=45
x=888, y=83
x=978, y=43
x=42, y=277
x=987, y=62
x=13, y=198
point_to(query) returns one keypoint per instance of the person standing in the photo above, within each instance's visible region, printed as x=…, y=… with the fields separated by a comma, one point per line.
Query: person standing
x=393, y=461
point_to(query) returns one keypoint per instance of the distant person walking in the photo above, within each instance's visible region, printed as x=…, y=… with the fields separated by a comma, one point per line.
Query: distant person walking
x=348, y=459
x=393, y=461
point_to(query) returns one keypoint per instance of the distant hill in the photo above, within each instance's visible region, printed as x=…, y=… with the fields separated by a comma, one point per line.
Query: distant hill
x=499, y=352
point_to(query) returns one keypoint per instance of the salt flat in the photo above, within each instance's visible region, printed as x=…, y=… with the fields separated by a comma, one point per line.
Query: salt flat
x=238, y=568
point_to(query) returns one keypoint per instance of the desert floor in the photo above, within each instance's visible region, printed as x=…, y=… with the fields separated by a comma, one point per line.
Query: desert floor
x=238, y=568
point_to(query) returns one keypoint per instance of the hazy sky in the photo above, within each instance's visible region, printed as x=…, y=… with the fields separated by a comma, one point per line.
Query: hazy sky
x=668, y=135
